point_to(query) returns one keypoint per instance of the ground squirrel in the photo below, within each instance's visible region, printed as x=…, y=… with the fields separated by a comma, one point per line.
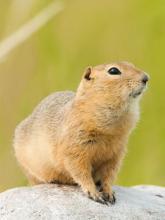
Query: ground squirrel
x=80, y=138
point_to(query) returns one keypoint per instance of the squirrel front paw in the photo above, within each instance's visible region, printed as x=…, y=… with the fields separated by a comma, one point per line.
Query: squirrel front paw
x=109, y=197
x=108, y=194
x=97, y=197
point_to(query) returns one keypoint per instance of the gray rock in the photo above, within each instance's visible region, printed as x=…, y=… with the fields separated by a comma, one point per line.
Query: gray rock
x=57, y=202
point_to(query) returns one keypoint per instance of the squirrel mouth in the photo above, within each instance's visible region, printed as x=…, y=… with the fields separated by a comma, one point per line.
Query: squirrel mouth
x=134, y=95
x=137, y=93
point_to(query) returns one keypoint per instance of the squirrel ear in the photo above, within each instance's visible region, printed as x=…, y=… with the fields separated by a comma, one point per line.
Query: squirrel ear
x=88, y=73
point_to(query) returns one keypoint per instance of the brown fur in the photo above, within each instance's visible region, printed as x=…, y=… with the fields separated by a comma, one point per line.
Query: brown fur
x=80, y=138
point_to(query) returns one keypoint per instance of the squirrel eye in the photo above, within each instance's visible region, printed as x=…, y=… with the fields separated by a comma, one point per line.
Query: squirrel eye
x=114, y=71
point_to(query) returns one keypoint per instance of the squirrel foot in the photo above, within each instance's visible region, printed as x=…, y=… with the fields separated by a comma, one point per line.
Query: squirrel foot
x=98, y=197
x=110, y=198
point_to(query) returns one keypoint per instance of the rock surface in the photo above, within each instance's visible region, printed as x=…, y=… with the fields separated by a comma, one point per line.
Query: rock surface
x=56, y=202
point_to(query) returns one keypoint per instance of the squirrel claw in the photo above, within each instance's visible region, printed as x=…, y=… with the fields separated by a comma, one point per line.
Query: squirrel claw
x=109, y=197
x=98, y=197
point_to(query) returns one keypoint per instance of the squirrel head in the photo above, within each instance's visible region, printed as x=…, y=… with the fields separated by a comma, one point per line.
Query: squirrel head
x=110, y=93
x=118, y=82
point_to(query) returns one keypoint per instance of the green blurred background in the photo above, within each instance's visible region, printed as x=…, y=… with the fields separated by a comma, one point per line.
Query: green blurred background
x=85, y=33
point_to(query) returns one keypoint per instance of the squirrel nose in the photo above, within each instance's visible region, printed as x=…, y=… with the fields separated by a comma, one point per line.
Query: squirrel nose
x=145, y=79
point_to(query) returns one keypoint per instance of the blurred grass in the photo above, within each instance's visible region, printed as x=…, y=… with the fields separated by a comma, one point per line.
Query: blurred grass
x=85, y=33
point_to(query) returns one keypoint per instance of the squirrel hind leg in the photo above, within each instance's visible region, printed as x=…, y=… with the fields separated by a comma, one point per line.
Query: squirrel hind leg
x=33, y=180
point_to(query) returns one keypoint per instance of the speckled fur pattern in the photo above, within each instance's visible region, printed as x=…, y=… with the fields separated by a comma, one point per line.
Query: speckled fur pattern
x=80, y=138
